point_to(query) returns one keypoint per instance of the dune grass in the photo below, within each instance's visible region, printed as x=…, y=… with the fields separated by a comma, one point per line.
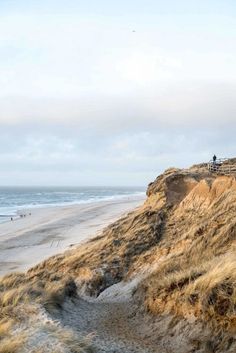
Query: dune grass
x=22, y=298
x=12, y=344
x=206, y=289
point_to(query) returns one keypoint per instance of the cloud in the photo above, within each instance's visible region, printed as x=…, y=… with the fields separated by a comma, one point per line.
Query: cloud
x=85, y=99
x=195, y=104
x=93, y=72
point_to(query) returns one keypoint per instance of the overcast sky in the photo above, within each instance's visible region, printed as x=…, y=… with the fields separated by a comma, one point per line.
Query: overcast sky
x=104, y=92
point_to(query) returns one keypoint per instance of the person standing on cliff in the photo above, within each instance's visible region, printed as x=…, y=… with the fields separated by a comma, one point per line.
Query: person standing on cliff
x=214, y=162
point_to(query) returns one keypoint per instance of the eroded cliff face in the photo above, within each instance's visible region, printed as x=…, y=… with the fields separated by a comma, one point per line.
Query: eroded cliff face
x=188, y=217
x=194, y=264
x=181, y=244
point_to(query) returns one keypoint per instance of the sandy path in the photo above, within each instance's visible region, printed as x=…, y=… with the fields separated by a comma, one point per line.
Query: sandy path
x=25, y=242
x=115, y=323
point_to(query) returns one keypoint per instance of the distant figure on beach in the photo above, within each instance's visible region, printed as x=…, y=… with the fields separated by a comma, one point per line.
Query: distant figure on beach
x=11, y=219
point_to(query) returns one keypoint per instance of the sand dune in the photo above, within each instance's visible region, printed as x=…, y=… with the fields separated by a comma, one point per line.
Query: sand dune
x=160, y=279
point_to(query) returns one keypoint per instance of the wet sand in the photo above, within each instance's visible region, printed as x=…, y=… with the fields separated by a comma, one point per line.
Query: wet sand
x=27, y=241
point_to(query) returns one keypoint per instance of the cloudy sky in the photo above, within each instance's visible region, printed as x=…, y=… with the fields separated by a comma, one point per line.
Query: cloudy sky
x=104, y=92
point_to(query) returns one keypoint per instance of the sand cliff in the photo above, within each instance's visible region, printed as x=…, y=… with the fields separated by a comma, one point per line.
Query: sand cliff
x=160, y=279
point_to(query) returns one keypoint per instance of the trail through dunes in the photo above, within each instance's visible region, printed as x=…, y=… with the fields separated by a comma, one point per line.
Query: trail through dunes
x=161, y=279
x=115, y=322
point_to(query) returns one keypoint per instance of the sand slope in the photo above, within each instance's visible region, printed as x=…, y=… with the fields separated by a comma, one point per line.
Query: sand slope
x=160, y=279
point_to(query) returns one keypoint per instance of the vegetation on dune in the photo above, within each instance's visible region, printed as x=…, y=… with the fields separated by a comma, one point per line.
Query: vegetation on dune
x=198, y=275
x=206, y=290
x=25, y=302
x=182, y=240
x=181, y=234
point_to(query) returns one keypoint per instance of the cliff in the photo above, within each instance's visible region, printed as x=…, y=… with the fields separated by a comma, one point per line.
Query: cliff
x=178, y=248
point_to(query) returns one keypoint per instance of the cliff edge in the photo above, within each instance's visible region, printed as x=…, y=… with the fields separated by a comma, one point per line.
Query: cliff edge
x=179, y=253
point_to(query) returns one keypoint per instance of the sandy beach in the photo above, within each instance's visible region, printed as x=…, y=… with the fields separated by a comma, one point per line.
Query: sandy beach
x=48, y=231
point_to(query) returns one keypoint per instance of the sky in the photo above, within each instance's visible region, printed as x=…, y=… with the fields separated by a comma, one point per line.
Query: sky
x=114, y=92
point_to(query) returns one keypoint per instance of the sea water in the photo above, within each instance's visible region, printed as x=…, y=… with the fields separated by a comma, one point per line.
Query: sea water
x=15, y=199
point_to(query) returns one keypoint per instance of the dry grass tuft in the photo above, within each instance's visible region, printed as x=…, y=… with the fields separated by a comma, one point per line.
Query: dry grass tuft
x=13, y=344
x=55, y=293
x=11, y=280
x=207, y=290
x=5, y=327
x=21, y=297
x=214, y=293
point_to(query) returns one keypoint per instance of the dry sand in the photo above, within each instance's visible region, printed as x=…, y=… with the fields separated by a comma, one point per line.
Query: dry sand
x=27, y=241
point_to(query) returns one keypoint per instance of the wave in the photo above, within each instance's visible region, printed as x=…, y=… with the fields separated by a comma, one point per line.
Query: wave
x=79, y=202
x=15, y=210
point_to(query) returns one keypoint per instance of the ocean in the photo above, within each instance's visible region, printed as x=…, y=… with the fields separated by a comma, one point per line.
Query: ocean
x=15, y=199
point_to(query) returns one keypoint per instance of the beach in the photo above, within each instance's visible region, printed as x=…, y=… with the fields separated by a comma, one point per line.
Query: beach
x=44, y=232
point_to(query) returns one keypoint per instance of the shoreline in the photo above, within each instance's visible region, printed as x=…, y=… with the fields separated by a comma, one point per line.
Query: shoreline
x=29, y=240
x=19, y=212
